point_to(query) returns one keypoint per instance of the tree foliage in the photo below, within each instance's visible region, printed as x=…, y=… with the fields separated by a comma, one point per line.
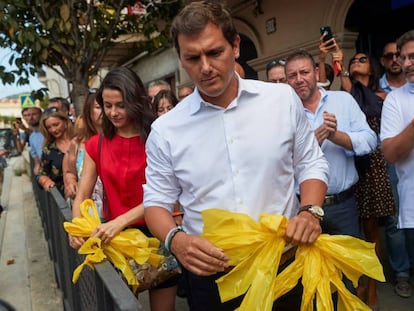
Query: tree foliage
x=72, y=37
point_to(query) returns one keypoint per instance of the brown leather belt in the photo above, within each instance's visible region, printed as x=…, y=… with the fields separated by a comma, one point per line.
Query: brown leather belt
x=331, y=199
x=286, y=256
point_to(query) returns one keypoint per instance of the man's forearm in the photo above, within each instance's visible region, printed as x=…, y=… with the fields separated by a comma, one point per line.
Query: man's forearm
x=399, y=146
x=312, y=192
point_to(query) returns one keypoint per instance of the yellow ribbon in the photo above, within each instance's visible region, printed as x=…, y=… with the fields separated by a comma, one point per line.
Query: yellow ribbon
x=130, y=243
x=255, y=250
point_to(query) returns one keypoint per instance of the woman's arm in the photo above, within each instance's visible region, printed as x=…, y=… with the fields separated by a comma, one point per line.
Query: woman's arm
x=85, y=189
x=346, y=82
x=45, y=167
x=87, y=182
x=109, y=229
x=70, y=176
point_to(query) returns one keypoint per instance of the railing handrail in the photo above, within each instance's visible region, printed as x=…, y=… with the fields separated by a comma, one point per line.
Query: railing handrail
x=103, y=288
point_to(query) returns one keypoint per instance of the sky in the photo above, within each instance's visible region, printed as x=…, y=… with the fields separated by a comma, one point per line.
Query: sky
x=8, y=90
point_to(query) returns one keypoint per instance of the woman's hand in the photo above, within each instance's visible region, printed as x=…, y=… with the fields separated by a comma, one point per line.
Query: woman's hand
x=75, y=242
x=70, y=185
x=46, y=182
x=108, y=230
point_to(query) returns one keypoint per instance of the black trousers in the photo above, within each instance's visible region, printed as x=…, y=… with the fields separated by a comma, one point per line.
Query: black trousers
x=203, y=295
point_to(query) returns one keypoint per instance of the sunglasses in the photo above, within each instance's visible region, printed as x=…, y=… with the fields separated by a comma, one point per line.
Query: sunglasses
x=362, y=59
x=390, y=55
x=273, y=63
x=50, y=110
x=93, y=91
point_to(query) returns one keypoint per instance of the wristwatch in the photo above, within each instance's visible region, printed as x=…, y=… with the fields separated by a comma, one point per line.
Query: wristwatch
x=345, y=73
x=315, y=210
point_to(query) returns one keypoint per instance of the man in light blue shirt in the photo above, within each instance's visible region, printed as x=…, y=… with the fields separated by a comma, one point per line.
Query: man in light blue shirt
x=32, y=117
x=342, y=132
x=233, y=144
x=393, y=77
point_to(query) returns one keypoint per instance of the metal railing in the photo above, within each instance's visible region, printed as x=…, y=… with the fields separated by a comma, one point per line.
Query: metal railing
x=101, y=289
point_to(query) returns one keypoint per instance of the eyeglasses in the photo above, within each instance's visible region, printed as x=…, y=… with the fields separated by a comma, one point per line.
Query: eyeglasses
x=390, y=55
x=50, y=110
x=409, y=56
x=362, y=59
x=273, y=63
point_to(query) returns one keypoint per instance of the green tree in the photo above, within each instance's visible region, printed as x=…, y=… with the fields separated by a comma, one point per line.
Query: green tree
x=72, y=37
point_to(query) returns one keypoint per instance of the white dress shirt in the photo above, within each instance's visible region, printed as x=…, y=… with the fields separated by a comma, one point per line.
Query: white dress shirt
x=244, y=158
x=397, y=113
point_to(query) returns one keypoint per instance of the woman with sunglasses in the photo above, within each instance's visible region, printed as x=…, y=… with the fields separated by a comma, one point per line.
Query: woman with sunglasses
x=373, y=190
x=118, y=157
x=57, y=131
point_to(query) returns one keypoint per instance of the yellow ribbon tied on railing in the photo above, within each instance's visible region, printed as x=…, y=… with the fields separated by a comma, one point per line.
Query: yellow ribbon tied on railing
x=255, y=250
x=130, y=243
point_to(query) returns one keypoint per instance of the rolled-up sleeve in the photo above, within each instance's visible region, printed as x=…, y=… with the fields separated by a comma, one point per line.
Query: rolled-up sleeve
x=161, y=188
x=308, y=159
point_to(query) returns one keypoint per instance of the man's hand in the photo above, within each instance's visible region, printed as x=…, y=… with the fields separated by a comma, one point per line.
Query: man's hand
x=303, y=229
x=198, y=255
x=330, y=123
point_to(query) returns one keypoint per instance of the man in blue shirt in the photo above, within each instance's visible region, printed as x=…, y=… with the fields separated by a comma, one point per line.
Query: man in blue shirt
x=342, y=132
x=32, y=117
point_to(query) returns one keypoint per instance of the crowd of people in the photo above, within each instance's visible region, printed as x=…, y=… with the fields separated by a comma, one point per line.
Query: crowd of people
x=332, y=161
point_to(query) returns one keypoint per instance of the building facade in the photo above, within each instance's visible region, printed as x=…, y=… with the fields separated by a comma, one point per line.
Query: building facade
x=272, y=29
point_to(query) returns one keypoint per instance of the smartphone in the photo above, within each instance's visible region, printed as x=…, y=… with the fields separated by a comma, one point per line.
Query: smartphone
x=327, y=31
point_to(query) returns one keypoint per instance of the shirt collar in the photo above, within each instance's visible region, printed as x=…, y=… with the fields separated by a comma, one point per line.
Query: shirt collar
x=322, y=100
x=410, y=87
x=197, y=102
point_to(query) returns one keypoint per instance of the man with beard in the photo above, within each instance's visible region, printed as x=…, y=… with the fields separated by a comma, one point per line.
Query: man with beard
x=393, y=76
x=32, y=117
x=397, y=137
x=392, y=79
x=342, y=132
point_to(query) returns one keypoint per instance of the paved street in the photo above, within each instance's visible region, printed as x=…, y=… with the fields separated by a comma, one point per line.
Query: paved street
x=26, y=272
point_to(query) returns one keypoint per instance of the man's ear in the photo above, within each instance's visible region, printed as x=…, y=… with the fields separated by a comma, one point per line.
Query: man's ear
x=236, y=47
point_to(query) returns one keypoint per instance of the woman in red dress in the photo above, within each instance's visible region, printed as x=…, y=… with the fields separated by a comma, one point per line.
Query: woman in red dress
x=118, y=158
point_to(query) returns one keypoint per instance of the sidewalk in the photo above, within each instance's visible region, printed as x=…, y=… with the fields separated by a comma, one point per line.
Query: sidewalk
x=28, y=281
x=27, y=278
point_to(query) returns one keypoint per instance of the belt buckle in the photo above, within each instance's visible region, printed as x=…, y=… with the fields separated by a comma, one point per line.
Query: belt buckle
x=329, y=200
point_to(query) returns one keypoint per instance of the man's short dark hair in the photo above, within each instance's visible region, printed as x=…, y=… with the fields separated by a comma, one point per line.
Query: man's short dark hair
x=195, y=17
x=63, y=102
x=405, y=37
x=299, y=54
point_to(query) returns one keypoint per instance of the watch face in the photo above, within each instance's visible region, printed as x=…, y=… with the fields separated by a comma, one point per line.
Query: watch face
x=317, y=210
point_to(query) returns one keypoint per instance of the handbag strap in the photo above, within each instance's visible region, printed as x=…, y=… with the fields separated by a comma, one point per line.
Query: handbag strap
x=100, y=149
x=104, y=199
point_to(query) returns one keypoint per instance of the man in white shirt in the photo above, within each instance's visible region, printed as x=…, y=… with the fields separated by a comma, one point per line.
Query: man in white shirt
x=397, y=137
x=233, y=144
x=392, y=79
